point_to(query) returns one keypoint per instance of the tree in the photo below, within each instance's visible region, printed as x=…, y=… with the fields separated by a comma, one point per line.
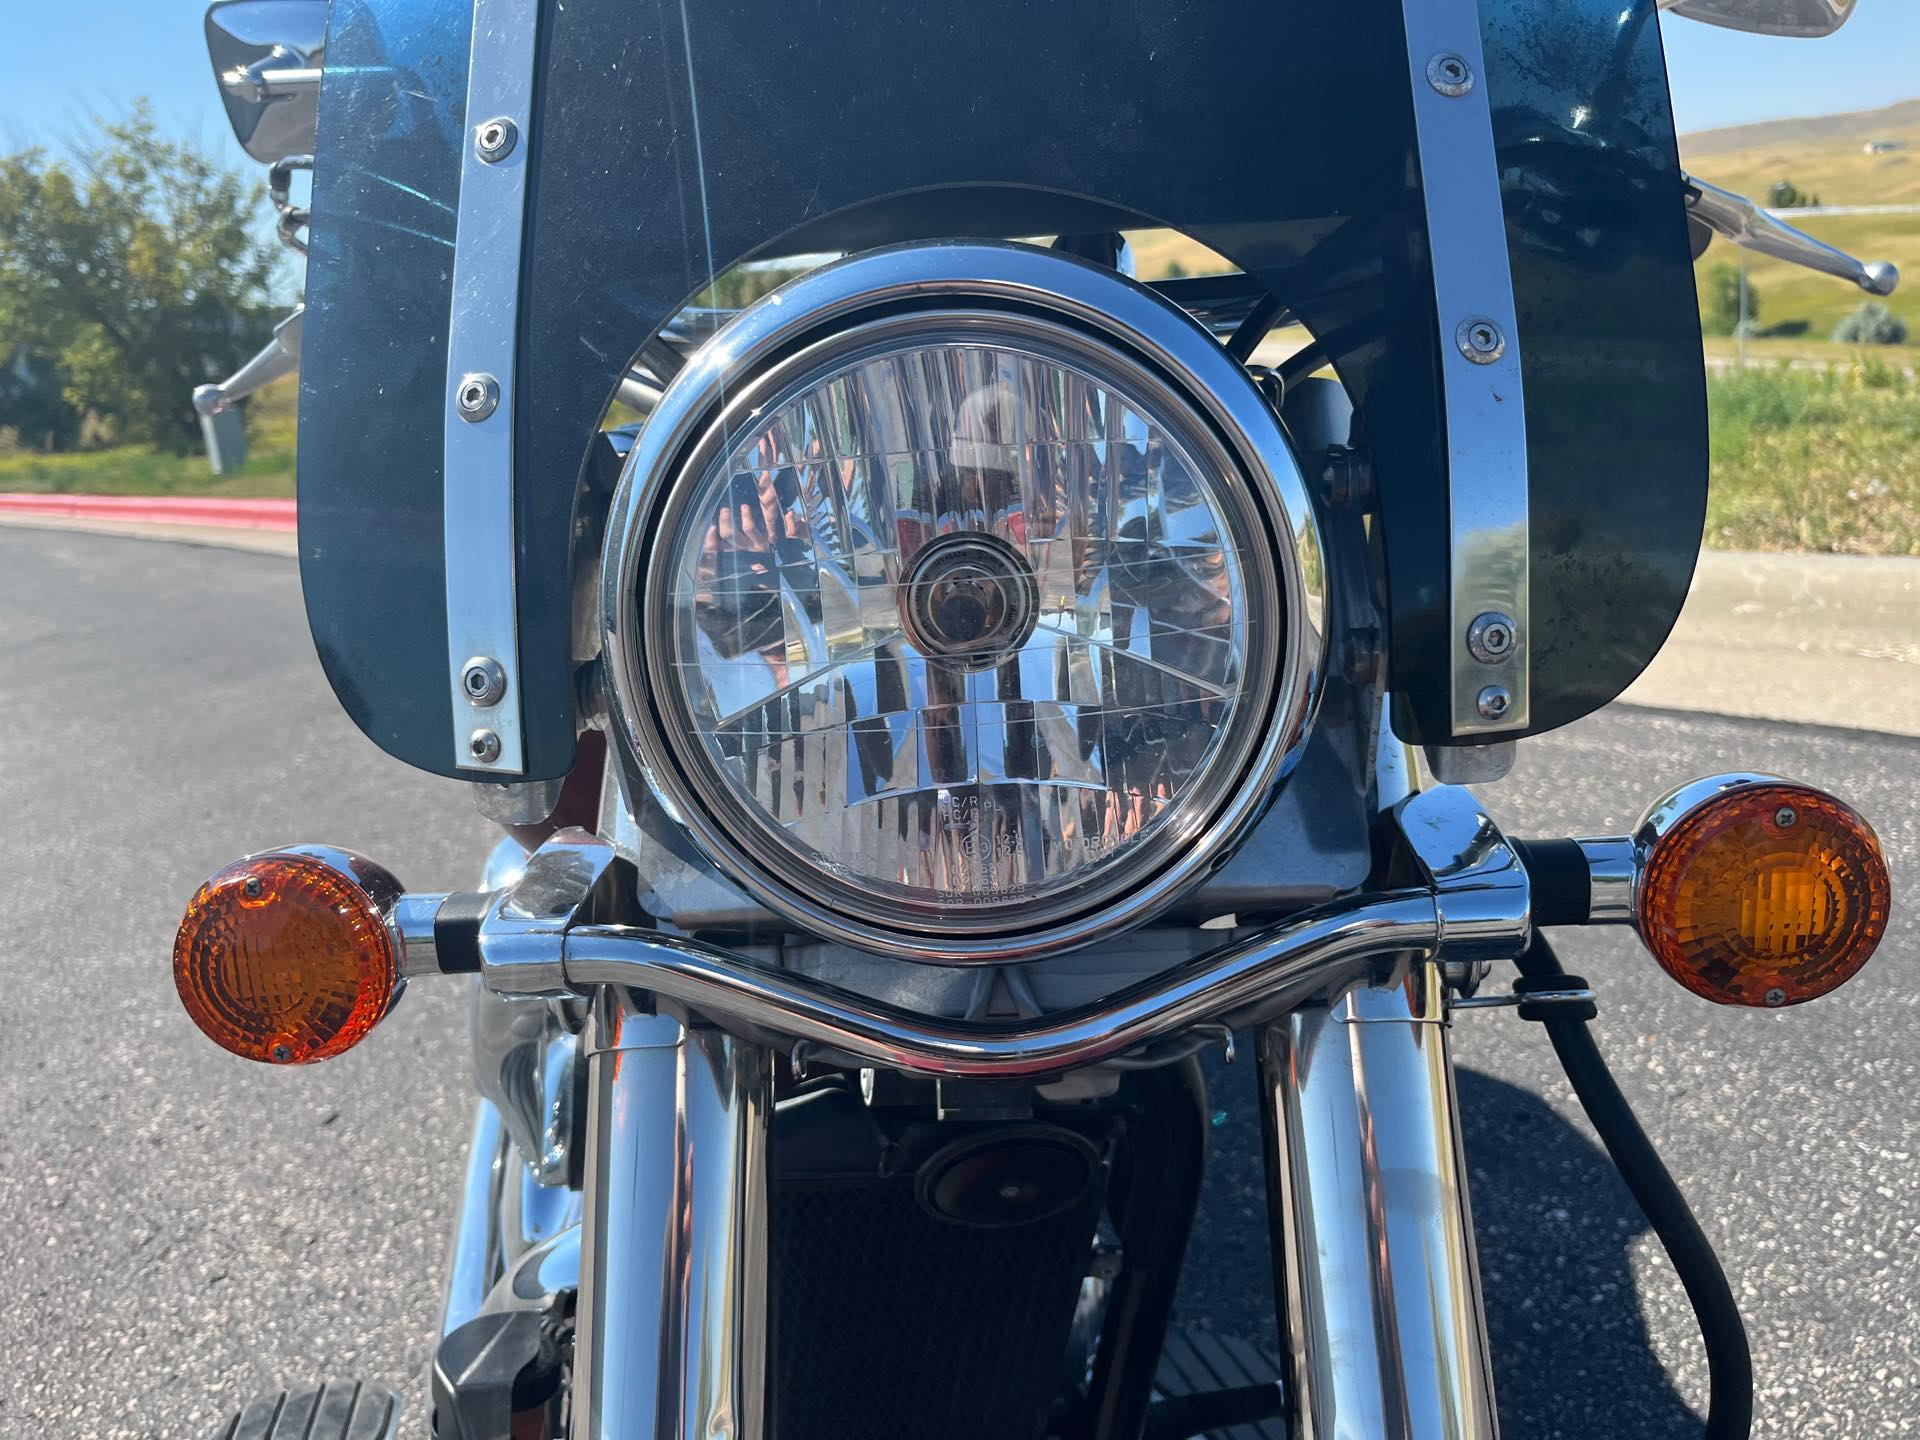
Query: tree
x=1872, y=324
x=33, y=402
x=1785, y=195
x=135, y=268
x=1722, y=301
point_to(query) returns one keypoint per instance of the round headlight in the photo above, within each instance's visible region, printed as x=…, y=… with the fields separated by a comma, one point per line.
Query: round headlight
x=953, y=614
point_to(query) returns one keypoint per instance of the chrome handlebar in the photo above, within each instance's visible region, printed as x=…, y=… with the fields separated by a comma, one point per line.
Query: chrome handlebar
x=540, y=937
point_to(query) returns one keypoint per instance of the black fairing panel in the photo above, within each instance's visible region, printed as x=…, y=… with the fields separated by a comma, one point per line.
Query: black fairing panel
x=670, y=143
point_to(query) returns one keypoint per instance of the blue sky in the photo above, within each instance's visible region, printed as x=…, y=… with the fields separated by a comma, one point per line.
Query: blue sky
x=62, y=59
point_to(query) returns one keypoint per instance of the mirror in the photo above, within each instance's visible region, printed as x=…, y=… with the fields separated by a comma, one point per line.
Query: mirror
x=1768, y=17
x=266, y=59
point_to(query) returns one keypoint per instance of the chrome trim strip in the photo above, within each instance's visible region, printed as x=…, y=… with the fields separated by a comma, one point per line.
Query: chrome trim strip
x=672, y=1319
x=1085, y=304
x=477, y=456
x=1480, y=365
x=1367, y=1195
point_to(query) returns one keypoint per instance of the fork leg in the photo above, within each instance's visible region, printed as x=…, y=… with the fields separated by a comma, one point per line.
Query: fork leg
x=671, y=1328
x=1378, y=1286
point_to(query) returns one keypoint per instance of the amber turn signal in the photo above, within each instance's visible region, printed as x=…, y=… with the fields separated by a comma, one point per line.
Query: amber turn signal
x=1755, y=891
x=288, y=957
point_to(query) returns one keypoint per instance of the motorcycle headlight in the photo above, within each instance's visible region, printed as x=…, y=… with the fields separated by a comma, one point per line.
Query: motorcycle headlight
x=960, y=601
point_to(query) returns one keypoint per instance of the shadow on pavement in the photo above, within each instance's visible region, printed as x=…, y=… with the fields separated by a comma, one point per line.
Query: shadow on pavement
x=1571, y=1352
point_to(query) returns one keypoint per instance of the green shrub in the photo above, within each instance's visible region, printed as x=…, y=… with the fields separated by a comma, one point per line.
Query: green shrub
x=1872, y=324
x=1720, y=302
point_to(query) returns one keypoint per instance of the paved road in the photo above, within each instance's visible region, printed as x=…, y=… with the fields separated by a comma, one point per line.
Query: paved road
x=184, y=1227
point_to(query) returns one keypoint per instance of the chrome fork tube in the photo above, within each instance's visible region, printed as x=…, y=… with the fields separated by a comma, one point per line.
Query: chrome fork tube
x=1373, y=1239
x=671, y=1328
x=475, y=1256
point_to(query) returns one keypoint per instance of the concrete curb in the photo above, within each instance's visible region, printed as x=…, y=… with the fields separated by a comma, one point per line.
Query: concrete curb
x=1807, y=639
x=220, y=537
x=239, y=514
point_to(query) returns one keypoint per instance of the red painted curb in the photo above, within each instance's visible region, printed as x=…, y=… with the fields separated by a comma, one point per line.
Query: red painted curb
x=157, y=509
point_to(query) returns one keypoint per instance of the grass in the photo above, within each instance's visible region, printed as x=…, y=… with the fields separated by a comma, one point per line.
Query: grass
x=142, y=470
x=1815, y=461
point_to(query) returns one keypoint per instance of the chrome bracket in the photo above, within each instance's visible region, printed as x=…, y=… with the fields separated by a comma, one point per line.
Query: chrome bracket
x=1486, y=417
x=477, y=456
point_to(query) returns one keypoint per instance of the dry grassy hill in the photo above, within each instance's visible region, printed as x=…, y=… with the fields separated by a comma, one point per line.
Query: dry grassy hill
x=1824, y=155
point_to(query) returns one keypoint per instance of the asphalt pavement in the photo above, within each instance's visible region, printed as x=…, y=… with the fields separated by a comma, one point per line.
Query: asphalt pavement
x=183, y=1228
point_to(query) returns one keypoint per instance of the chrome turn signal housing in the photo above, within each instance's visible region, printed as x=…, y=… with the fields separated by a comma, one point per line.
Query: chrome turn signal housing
x=1757, y=891
x=291, y=956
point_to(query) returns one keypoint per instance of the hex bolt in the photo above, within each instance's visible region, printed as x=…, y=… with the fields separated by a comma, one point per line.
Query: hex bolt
x=493, y=140
x=1450, y=74
x=1776, y=996
x=484, y=745
x=1785, y=817
x=483, y=681
x=1491, y=637
x=1480, y=340
x=1494, y=702
x=476, y=397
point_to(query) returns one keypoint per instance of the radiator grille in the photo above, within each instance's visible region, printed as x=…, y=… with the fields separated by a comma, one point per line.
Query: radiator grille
x=888, y=1322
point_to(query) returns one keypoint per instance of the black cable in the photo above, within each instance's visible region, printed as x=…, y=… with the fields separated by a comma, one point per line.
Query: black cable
x=1729, y=1362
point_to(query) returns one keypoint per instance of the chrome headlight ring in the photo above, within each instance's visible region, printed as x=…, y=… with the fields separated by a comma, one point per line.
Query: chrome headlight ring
x=1010, y=300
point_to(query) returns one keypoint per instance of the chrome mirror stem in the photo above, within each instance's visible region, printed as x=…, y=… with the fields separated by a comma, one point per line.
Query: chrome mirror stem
x=1747, y=225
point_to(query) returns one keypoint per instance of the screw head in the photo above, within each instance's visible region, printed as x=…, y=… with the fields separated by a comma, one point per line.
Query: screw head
x=476, y=396
x=482, y=681
x=1491, y=636
x=493, y=140
x=1786, y=817
x=1450, y=74
x=1776, y=997
x=251, y=887
x=282, y=1054
x=484, y=746
x=1494, y=702
x=1480, y=340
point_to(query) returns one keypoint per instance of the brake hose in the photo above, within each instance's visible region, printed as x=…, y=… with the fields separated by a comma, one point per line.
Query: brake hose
x=1729, y=1362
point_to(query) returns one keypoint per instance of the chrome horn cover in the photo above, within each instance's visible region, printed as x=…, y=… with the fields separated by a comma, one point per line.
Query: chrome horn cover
x=1071, y=306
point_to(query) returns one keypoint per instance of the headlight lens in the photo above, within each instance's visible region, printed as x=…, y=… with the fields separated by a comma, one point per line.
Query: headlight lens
x=956, y=626
x=961, y=602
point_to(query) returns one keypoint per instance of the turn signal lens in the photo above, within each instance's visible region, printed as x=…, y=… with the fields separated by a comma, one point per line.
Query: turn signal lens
x=285, y=958
x=1764, y=894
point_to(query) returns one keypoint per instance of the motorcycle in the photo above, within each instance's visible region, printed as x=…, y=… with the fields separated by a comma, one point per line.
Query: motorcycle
x=934, y=684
